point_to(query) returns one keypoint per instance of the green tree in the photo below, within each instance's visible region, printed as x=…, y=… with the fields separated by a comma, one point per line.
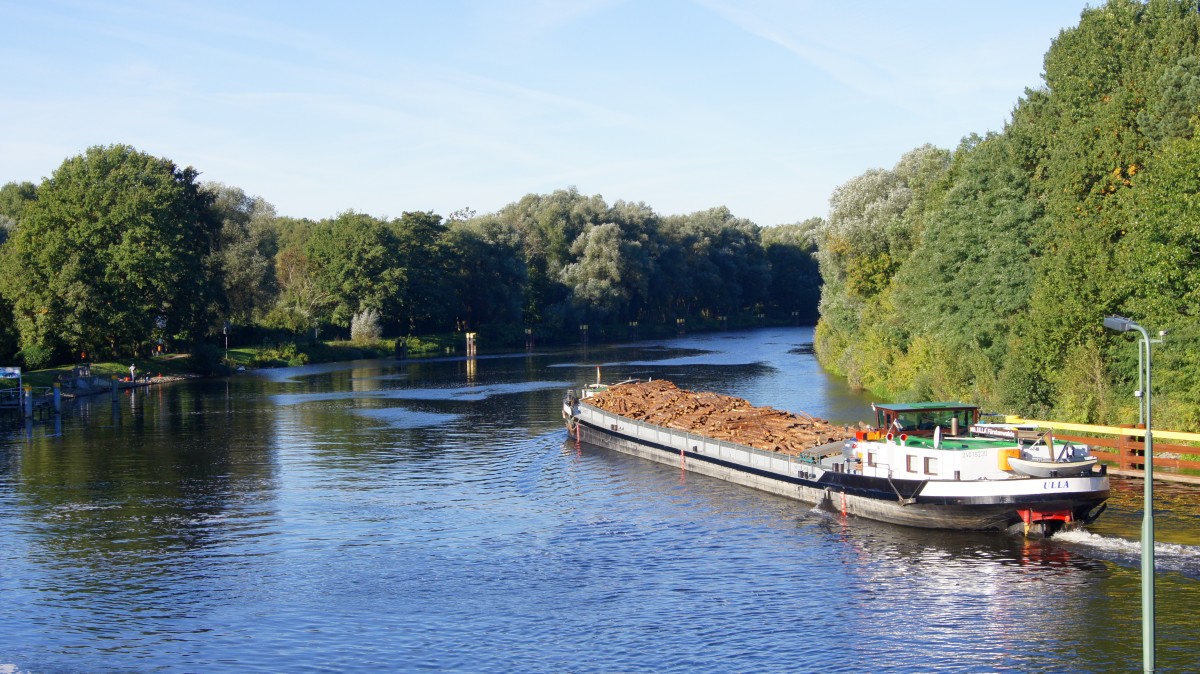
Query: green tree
x=607, y=273
x=717, y=263
x=303, y=303
x=489, y=278
x=1169, y=113
x=548, y=225
x=876, y=222
x=424, y=295
x=114, y=251
x=1161, y=250
x=246, y=249
x=969, y=275
x=992, y=281
x=1160, y=283
x=791, y=252
x=352, y=260
x=13, y=198
x=1112, y=97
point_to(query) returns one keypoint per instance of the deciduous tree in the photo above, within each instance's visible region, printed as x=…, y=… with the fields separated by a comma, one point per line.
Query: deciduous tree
x=114, y=251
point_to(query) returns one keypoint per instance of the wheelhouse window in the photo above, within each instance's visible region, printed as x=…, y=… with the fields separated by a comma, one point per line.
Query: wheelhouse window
x=923, y=418
x=911, y=463
x=871, y=459
x=931, y=465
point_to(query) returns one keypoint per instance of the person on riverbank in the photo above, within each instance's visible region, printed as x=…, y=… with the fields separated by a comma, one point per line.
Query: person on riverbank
x=133, y=373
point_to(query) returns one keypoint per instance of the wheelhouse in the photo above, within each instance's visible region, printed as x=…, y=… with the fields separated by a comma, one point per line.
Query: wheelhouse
x=923, y=418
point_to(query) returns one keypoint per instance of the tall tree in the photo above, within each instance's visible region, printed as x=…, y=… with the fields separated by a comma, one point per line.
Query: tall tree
x=490, y=275
x=352, y=259
x=548, y=225
x=303, y=303
x=13, y=198
x=607, y=273
x=113, y=252
x=719, y=261
x=424, y=298
x=1082, y=207
x=876, y=221
x=791, y=252
x=246, y=248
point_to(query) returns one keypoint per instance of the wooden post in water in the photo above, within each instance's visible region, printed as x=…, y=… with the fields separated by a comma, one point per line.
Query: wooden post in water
x=57, y=398
x=27, y=402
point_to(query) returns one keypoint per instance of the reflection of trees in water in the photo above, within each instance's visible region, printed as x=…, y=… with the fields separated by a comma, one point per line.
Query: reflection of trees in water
x=135, y=487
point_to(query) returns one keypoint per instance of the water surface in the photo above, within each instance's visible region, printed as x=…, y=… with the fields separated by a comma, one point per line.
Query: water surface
x=431, y=515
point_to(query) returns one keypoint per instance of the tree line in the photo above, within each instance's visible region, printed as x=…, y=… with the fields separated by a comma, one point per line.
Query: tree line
x=119, y=252
x=984, y=272
x=981, y=272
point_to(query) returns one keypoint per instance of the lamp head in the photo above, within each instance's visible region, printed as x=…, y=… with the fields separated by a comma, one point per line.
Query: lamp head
x=1118, y=323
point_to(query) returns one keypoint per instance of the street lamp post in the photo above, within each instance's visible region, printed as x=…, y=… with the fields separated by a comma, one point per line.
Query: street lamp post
x=1121, y=324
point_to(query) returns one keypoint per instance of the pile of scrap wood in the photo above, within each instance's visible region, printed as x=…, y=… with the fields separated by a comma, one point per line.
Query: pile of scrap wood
x=718, y=416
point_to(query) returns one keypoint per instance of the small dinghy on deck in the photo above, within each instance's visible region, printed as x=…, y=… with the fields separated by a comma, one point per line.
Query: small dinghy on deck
x=1043, y=468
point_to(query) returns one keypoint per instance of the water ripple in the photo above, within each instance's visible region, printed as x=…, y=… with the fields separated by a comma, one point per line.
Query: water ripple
x=331, y=523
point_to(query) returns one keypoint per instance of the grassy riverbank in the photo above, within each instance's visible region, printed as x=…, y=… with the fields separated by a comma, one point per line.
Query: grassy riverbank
x=214, y=361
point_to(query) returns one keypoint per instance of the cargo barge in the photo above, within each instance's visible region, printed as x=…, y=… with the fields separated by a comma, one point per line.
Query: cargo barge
x=928, y=465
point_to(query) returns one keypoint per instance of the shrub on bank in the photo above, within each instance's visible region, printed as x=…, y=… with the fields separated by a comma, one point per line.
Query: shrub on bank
x=205, y=359
x=35, y=357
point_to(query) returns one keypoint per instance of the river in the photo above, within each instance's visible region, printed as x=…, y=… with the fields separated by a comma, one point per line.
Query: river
x=430, y=515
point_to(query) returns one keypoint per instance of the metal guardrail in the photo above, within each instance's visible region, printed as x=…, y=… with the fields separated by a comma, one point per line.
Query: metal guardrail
x=39, y=397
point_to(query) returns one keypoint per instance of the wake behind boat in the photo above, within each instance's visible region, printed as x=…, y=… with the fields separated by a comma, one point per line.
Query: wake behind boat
x=929, y=465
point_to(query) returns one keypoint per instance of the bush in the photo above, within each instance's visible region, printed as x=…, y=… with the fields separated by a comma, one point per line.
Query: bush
x=278, y=355
x=365, y=327
x=35, y=357
x=414, y=346
x=205, y=358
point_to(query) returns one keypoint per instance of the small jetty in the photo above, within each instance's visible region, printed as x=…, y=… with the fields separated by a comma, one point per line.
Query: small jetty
x=24, y=402
x=30, y=402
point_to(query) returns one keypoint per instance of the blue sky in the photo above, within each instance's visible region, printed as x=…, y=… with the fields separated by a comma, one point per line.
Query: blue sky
x=763, y=106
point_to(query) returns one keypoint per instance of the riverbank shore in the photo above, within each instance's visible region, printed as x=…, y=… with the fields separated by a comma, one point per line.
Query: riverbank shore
x=93, y=377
